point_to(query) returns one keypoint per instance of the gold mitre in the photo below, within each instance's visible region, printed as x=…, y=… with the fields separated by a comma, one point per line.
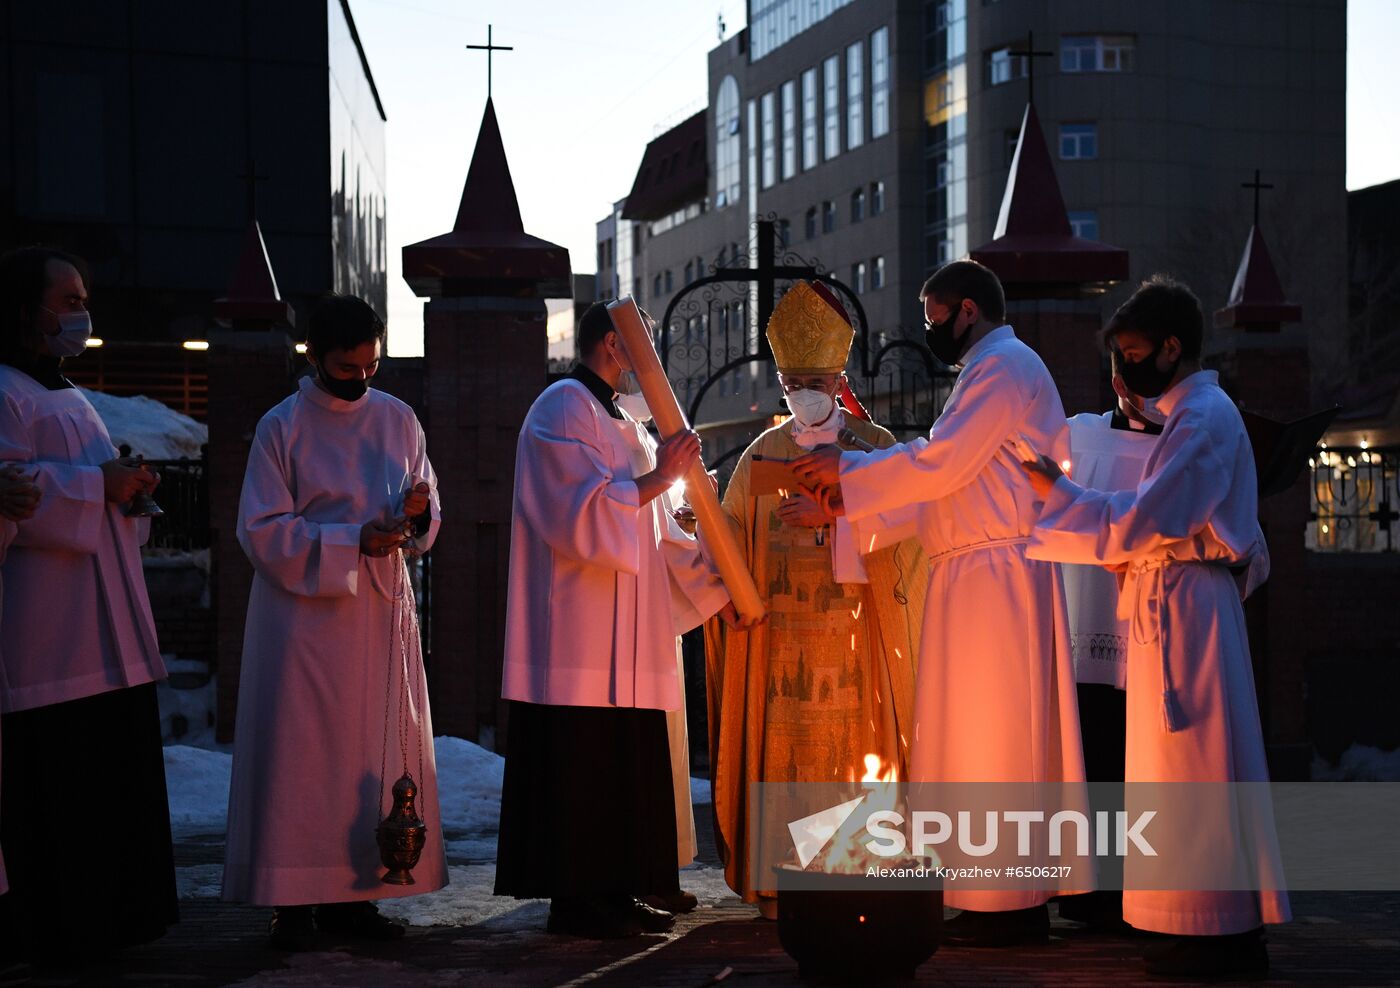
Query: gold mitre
x=809, y=331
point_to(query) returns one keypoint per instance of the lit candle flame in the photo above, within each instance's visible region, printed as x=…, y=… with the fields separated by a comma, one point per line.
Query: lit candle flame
x=859, y=605
x=1064, y=465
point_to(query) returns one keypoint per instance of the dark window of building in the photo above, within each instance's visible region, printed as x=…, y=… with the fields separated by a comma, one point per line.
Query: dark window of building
x=877, y=198
x=857, y=205
x=877, y=273
x=783, y=229
x=858, y=277
x=670, y=284
x=656, y=287
x=1013, y=137
x=1097, y=53
x=1003, y=67
x=828, y=216
x=811, y=222
x=689, y=272
x=1079, y=141
x=1084, y=223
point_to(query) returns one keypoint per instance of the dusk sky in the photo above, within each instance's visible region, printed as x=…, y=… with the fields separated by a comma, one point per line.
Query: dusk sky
x=588, y=86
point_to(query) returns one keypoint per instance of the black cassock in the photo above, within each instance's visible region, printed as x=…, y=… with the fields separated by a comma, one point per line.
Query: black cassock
x=587, y=806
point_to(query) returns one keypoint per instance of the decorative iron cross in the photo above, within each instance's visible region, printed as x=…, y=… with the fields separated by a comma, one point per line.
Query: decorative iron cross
x=251, y=176
x=490, y=50
x=1256, y=185
x=1030, y=55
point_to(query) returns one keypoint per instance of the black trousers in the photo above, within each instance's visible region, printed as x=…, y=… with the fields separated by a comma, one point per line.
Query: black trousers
x=85, y=827
x=587, y=807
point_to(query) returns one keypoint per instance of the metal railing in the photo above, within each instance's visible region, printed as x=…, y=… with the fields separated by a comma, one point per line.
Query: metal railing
x=1355, y=497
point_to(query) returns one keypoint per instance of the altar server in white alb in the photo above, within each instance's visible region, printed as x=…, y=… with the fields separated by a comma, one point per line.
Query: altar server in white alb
x=994, y=698
x=602, y=580
x=19, y=499
x=85, y=827
x=1189, y=544
x=338, y=478
x=1107, y=452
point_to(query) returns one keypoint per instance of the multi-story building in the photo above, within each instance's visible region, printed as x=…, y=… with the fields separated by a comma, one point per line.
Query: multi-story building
x=878, y=134
x=137, y=135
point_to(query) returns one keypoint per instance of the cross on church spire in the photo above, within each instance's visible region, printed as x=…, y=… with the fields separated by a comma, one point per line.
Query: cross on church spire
x=490, y=50
x=1257, y=186
x=1030, y=55
x=251, y=178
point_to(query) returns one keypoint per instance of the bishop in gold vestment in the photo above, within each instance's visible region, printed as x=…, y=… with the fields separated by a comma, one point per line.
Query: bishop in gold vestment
x=829, y=678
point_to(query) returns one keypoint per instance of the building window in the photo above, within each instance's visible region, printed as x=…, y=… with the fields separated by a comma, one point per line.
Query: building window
x=810, y=122
x=789, y=129
x=689, y=272
x=1013, y=138
x=877, y=198
x=1084, y=223
x=877, y=273
x=880, y=83
x=1097, y=53
x=831, y=108
x=670, y=285
x=811, y=227
x=727, y=144
x=767, y=141
x=857, y=205
x=656, y=287
x=601, y=265
x=1079, y=141
x=828, y=216
x=1002, y=66
x=855, y=95
x=783, y=229
x=858, y=277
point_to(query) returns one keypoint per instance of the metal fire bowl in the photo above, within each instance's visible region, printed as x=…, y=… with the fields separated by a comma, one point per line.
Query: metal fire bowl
x=854, y=928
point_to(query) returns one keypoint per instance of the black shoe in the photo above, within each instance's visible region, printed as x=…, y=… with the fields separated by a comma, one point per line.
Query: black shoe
x=1014, y=928
x=292, y=928
x=676, y=902
x=1101, y=912
x=592, y=919
x=649, y=918
x=1239, y=956
x=357, y=920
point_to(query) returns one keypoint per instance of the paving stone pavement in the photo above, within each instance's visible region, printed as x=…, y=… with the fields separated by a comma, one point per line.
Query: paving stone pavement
x=1338, y=939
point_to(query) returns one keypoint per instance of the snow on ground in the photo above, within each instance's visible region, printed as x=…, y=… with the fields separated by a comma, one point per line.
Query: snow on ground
x=1359, y=763
x=197, y=782
x=150, y=428
x=469, y=783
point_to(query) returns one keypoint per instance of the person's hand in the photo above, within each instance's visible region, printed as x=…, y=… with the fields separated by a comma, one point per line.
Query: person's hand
x=675, y=456
x=380, y=540
x=801, y=510
x=732, y=620
x=415, y=502
x=819, y=468
x=831, y=500
x=123, y=479
x=19, y=495
x=1043, y=473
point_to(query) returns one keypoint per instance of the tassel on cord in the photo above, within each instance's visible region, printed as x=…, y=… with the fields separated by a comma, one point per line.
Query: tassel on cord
x=1172, y=715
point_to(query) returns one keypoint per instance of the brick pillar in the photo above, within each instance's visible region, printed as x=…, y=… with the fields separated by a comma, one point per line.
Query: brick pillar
x=1268, y=373
x=249, y=373
x=485, y=362
x=1065, y=334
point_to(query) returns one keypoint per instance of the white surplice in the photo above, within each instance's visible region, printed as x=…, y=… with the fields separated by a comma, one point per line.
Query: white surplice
x=1105, y=459
x=600, y=584
x=1192, y=712
x=995, y=694
x=313, y=761
x=78, y=546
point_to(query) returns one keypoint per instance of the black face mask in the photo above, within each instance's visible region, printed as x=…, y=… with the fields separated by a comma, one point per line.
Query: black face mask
x=351, y=389
x=1144, y=378
x=941, y=338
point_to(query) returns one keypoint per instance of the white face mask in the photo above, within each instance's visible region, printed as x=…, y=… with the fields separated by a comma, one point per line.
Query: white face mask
x=810, y=407
x=635, y=405
x=74, y=331
x=1150, y=413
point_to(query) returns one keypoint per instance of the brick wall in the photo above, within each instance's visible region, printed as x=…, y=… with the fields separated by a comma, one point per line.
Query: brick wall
x=483, y=370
